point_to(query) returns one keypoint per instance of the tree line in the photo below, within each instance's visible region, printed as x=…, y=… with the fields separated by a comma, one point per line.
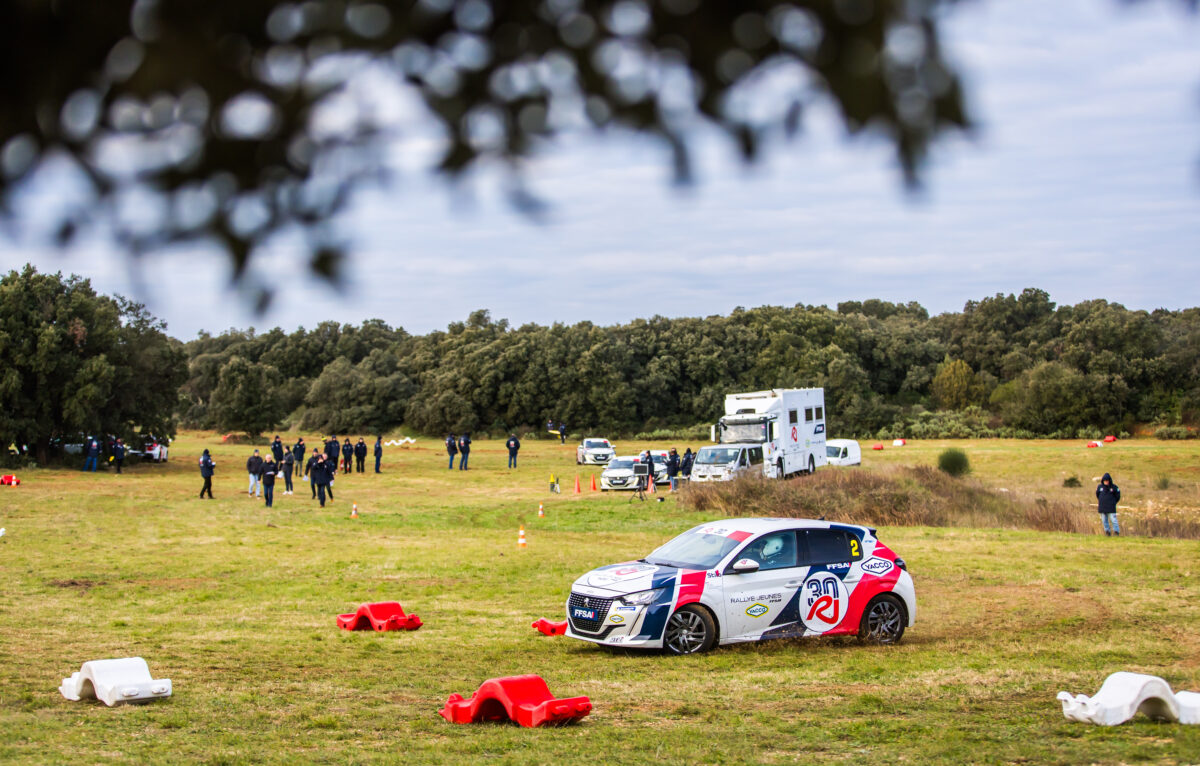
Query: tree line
x=1006, y=365
x=73, y=362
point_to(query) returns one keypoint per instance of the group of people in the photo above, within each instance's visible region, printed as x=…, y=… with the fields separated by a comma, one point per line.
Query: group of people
x=679, y=467
x=561, y=430
x=461, y=445
x=320, y=468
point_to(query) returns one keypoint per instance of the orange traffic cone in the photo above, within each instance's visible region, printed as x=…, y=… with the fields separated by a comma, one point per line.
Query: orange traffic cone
x=541, y=511
x=354, y=510
x=593, y=482
x=521, y=537
x=578, y=491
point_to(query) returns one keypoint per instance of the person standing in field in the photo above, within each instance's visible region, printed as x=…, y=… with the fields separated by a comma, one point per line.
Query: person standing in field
x=310, y=470
x=119, y=454
x=332, y=448
x=287, y=466
x=254, y=467
x=451, y=448
x=270, y=468
x=562, y=433
x=673, y=468
x=207, y=466
x=464, y=447
x=360, y=456
x=514, y=446
x=347, y=455
x=378, y=452
x=1107, y=497
x=277, y=449
x=298, y=451
x=93, y=454
x=323, y=478
x=685, y=463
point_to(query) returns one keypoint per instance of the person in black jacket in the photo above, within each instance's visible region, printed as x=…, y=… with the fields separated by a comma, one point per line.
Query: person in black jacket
x=207, y=466
x=673, y=468
x=323, y=476
x=1107, y=497
x=254, y=467
x=277, y=449
x=310, y=470
x=464, y=447
x=451, y=448
x=347, y=456
x=685, y=463
x=93, y=454
x=119, y=454
x=287, y=466
x=360, y=456
x=514, y=446
x=332, y=448
x=298, y=450
x=378, y=452
x=268, y=479
x=562, y=433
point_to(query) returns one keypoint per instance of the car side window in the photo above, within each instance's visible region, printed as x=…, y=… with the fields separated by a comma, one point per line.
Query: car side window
x=776, y=550
x=756, y=456
x=742, y=461
x=830, y=546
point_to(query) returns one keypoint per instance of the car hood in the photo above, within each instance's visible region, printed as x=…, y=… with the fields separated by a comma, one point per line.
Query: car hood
x=623, y=579
x=610, y=472
x=598, y=450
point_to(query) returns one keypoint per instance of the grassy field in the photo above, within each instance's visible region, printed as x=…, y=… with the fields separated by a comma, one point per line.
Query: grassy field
x=236, y=604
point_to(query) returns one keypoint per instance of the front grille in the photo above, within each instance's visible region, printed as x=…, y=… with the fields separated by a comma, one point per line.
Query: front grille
x=617, y=480
x=601, y=606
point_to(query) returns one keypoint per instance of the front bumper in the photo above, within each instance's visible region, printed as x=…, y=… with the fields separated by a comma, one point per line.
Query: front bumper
x=590, y=459
x=622, y=626
x=629, y=483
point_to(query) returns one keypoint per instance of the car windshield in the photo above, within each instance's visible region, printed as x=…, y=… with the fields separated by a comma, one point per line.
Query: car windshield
x=833, y=451
x=617, y=465
x=694, y=549
x=595, y=444
x=717, y=455
x=744, y=432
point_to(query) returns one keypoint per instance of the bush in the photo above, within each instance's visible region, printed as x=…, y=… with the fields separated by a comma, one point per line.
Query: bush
x=1162, y=482
x=1174, y=432
x=1072, y=482
x=954, y=462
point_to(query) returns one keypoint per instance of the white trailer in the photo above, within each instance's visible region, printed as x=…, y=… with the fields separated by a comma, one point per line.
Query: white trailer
x=784, y=428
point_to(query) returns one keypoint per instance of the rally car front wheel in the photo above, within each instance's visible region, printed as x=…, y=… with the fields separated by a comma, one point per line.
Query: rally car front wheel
x=690, y=630
x=882, y=621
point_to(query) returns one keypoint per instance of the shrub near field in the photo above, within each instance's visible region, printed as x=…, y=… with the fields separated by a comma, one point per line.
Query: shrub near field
x=236, y=604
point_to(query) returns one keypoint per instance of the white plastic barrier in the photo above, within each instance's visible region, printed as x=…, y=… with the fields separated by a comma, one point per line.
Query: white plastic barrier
x=115, y=681
x=1124, y=694
x=400, y=442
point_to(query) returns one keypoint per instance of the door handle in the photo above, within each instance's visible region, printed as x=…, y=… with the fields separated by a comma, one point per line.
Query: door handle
x=793, y=583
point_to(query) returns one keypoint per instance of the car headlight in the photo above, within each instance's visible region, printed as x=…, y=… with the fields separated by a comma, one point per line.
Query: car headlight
x=641, y=597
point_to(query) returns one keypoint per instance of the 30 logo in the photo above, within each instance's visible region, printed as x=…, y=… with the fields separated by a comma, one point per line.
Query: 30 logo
x=877, y=566
x=757, y=610
x=823, y=604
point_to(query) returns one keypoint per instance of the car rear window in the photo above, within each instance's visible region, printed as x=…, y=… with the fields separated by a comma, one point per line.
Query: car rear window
x=828, y=546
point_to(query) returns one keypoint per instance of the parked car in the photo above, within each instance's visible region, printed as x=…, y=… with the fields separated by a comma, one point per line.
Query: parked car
x=722, y=463
x=843, y=452
x=594, y=451
x=153, y=449
x=618, y=474
x=741, y=580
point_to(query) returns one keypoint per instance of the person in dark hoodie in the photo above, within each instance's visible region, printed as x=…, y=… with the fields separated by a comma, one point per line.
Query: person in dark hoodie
x=254, y=467
x=514, y=446
x=323, y=477
x=287, y=466
x=207, y=466
x=347, y=456
x=277, y=449
x=451, y=448
x=298, y=450
x=268, y=479
x=360, y=456
x=310, y=470
x=118, y=452
x=464, y=447
x=685, y=463
x=332, y=449
x=1107, y=497
x=378, y=452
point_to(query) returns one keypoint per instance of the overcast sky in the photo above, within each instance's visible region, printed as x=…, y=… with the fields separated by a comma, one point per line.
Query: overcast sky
x=1082, y=180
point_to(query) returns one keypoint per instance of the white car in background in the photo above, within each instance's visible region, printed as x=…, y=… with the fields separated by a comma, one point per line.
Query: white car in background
x=843, y=452
x=594, y=451
x=618, y=474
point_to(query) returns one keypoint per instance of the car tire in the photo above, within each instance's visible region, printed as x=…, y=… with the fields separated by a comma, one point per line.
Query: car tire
x=690, y=630
x=883, y=621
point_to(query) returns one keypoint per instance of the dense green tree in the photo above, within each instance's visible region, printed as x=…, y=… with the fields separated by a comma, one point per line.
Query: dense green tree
x=74, y=363
x=248, y=397
x=955, y=386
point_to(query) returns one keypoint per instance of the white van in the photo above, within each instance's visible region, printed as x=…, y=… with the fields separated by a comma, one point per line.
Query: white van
x=723, y=462
x=843, y=452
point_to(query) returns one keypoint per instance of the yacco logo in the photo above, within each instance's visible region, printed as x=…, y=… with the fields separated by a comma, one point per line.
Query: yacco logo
x=757, y=610
x=877, y=566
x=616, y=618
x=823, y=602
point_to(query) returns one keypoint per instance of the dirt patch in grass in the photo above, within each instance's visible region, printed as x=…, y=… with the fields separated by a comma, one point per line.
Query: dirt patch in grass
x=909, y=496
x=75, y=584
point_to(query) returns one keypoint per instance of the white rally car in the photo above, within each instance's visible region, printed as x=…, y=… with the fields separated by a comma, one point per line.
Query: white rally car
x=592, y=451
x=747, y=580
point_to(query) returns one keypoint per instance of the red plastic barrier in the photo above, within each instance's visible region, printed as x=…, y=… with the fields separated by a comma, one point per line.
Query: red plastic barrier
x=11, y=481
x=876, y=446
x=525, y=700
x=383, y=615
x=1110, y=438
x=1093, y=445
x=550, y=628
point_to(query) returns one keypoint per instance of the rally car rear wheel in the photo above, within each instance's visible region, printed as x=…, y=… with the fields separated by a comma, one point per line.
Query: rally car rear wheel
x=690, y=630
x=882, y=621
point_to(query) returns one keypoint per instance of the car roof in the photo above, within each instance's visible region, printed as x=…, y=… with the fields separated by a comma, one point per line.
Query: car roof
x=841, y=442
x=757, y=526
x=596, y=439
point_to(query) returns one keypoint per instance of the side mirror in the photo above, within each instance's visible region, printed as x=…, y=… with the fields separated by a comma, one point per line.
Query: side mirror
x=745, y=566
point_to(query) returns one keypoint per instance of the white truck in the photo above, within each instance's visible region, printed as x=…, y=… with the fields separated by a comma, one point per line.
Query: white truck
x=780, y=432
